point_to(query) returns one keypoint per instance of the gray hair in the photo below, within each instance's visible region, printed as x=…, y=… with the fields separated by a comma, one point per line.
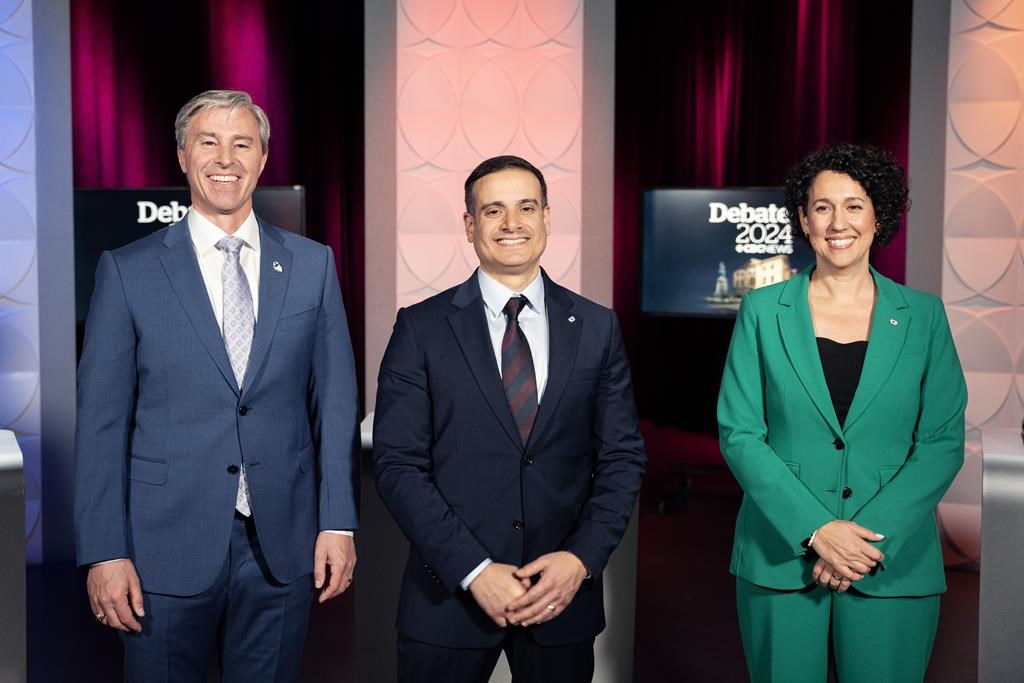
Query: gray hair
x=217, y=99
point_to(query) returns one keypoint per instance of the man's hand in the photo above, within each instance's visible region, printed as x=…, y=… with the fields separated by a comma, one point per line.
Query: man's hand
x=828, y=577
x=334, y=560
x=561, y=574
x=845, y=546
x=495, y=587
x=115, y=595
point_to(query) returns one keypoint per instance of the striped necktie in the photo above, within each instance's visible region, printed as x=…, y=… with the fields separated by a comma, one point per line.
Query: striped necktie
x=517, y=374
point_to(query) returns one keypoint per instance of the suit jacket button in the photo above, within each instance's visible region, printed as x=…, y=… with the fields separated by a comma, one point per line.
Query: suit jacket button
x=838, y=443
x=243, y=410
x=232, y=469
x=528, y=460
x=518, y=525
x=847, y=492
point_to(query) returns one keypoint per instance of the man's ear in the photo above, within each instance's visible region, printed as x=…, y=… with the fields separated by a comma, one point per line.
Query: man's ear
x=470, y=226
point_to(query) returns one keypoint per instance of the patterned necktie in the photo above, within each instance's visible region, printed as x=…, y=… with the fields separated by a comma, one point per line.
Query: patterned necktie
x=237, y=321
x=517, y=373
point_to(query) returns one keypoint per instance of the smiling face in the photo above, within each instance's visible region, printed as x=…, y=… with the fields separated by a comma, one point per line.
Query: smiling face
x=509, y=227
x=223, y=159
x=839, y=221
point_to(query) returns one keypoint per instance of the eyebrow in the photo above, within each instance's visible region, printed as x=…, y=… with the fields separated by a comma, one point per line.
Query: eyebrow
x=528, y=200
x=208, y=134
x=847, y=198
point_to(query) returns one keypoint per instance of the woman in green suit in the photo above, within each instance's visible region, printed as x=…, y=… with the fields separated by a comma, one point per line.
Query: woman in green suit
x=841, y=415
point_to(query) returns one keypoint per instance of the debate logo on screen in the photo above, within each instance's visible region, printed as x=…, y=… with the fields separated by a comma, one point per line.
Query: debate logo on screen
x=151, y=212
x=760, y=229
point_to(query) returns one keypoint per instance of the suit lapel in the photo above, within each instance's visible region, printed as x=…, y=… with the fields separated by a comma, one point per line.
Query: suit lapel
x=273, y=286
x=563, y=340
x=889, y=324
x=182, y=268
x=797, y=333
x=469, y=325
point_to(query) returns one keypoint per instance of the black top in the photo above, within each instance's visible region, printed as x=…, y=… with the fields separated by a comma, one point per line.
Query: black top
x=842, y=364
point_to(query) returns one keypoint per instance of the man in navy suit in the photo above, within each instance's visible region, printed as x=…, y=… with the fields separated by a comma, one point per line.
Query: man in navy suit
x=507, y=447
x=217, y=417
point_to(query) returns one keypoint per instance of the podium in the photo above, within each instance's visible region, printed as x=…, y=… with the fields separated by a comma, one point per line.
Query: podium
x=12, y=559
x=1000, y=655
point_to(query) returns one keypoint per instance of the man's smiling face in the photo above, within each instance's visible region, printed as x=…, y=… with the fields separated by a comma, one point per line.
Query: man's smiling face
x=223, y=159
x=509, y=227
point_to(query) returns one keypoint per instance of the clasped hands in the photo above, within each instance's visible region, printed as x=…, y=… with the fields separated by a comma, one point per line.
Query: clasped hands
x=509, y=595
x=845, y=554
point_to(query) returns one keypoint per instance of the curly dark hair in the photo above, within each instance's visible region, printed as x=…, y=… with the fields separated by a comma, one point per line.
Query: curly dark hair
x=874, y=168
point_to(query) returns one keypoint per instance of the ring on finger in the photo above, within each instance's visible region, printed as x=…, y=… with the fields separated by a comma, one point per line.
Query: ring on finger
x=551, y=608
x=101, y=617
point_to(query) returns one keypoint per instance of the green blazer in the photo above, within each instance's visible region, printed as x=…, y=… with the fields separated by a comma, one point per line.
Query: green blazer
x=899, y=450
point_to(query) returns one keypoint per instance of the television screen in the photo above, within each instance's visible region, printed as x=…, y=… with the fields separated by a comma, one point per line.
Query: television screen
x=112, y=218
x=704, y=249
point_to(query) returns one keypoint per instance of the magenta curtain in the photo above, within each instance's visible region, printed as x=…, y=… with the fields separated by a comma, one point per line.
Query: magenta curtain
x=134, y=64
x=732, y=93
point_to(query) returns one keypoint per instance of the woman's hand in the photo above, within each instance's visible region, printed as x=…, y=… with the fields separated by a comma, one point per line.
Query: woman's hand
x=827, y=577
x=846, y=547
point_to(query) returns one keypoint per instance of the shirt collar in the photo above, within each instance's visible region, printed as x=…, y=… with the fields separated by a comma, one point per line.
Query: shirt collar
x=496, y=295
x=205, y=234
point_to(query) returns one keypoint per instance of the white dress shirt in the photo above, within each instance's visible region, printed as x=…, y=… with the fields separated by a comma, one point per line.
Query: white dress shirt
x=533, y=321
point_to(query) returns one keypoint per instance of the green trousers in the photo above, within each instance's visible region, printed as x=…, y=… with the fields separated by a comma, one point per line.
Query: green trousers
x=875, y=640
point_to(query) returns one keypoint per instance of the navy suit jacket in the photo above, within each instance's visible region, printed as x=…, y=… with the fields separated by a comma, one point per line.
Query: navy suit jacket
x=163, y=427
x=452, y=468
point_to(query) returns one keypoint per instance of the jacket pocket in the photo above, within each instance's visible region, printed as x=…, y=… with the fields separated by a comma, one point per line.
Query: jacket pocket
x=584, y=374
x=303, y=318
x=885, y=474
x=147, y=471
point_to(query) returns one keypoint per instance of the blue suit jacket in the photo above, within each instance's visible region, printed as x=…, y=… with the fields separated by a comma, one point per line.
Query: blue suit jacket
x=451, y=467
x=162, y=425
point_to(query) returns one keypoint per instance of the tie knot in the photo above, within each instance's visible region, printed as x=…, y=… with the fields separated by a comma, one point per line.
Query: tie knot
x=232, y=245
x=515, y=306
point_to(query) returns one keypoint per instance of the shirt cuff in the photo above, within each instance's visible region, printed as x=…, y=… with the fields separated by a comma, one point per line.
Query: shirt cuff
x=116, y=559
x=340, y=532
x=473, y=574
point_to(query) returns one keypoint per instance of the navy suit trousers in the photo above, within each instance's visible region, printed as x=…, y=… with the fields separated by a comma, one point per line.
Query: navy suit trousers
x=253, y=624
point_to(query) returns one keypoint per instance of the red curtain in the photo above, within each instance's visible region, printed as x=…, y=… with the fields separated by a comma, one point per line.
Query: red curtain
x=134, y=64
x=732, y=93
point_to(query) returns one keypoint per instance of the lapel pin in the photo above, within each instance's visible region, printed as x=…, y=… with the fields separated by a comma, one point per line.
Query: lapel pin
x=572, y=318
x=894, y=322
x=276, y=265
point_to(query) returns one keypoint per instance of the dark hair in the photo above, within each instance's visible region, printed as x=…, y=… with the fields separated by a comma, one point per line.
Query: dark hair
x=874, y=168
x=503, y=163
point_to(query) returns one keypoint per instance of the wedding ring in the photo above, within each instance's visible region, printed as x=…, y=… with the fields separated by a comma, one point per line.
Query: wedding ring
x=101, y=617
x=551, y=607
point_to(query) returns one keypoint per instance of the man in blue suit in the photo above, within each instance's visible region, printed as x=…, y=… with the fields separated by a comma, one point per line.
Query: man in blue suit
x=217, y=417
x=507, y=447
